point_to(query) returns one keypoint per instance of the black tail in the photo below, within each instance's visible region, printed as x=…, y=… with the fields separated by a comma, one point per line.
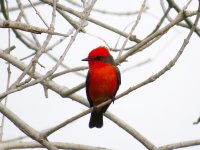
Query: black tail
x=96, y=119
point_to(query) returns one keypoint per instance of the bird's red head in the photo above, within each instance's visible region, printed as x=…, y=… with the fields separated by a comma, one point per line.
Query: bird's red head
x=98, y=54
x=100, y=51
x=99, y=57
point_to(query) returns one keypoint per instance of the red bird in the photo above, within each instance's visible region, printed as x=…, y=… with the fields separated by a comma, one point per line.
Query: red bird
x=102, y=82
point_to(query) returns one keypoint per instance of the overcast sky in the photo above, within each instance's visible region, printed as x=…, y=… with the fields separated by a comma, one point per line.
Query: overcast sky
x=162, y=111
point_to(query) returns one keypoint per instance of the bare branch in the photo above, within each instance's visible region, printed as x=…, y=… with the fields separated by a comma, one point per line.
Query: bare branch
x=158, y=33
x=25, y=6
x=31, y=76
x=68, y=71
x=128, y=13
x=28, y=28
x=133, y=28
x=60, y=145
x=25, y=127
x=187, y=20
x=39, y=15
x=182, y=144
x=62, y=7
x=131, y=131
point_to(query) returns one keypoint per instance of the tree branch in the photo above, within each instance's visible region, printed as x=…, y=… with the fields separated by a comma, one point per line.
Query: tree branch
x=28, y=130
x=60, y=145
x=27, y=28
x=77, y=14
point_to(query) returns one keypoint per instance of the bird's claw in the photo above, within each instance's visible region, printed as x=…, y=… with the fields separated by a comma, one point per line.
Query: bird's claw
x=95, y=108
x=113, y=99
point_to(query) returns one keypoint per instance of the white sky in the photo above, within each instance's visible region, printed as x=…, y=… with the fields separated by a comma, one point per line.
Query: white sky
x=162, y=111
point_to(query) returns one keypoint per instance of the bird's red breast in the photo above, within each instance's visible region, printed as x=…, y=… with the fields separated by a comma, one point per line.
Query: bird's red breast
x=103, y=82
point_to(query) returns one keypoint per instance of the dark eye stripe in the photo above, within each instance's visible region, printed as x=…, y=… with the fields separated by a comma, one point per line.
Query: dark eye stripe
x=108, y=59
x=98, y=58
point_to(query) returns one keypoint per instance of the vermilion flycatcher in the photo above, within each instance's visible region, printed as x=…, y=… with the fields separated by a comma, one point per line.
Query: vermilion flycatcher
x=102, y=82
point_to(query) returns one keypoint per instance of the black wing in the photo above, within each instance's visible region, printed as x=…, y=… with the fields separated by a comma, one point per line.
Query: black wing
x=118, y=80
x=87, y=89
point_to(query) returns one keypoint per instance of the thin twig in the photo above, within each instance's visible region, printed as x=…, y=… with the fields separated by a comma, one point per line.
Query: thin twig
x=63, y=65
x=28, y=28
x=8, y=50
x=128, y=13
x=158, y=33
x=78, y=14
x=25, y=6
x=182, y=144
x=27, y=21
x=188, y=24
x=39, y=15
x=68, y=71
x=161, y=20
x=5, y=103
x=133, y=28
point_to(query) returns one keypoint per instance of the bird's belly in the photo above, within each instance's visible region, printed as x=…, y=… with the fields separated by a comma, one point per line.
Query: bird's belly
x=103, y=88
x=100, y=94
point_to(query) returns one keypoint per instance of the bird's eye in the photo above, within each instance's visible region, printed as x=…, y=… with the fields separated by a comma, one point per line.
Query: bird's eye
x=98, y=58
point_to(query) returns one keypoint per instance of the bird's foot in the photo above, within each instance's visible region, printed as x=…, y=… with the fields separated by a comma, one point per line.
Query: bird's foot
x=95, y=108
x=113, y=99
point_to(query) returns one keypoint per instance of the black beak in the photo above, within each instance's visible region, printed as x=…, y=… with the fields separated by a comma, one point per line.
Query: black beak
x=86, y=59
